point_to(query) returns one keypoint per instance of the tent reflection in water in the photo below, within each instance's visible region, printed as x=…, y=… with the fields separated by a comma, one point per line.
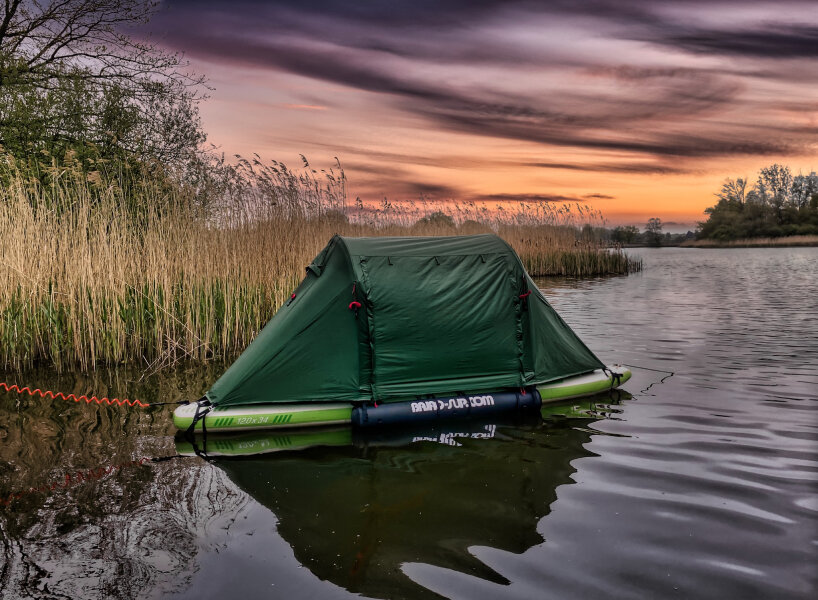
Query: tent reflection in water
x=385, y=320
x=355, y=515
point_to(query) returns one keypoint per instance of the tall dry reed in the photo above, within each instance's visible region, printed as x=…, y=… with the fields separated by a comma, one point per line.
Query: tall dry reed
x=92, y=272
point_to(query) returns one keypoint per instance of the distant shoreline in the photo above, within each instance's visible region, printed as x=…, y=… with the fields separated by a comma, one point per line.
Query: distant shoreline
x=779, y=242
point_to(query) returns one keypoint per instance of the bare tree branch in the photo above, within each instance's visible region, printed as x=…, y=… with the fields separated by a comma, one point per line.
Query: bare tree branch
x=60, y=54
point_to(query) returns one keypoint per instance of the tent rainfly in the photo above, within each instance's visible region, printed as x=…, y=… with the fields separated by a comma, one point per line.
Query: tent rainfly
x=386, y=319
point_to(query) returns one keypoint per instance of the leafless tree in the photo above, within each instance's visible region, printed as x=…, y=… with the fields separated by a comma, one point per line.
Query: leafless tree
x=653, y=231
x=733, y=190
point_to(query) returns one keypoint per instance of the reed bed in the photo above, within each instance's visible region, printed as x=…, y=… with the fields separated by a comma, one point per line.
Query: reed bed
x=93, y=272
x=578, y=262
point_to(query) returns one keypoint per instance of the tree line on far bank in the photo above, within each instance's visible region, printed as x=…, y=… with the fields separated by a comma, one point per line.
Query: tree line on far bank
x=778, y=204
x=653, y=235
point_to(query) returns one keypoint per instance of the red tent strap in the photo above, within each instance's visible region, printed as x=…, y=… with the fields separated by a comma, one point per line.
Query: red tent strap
x=354, y=305
x=526, y=295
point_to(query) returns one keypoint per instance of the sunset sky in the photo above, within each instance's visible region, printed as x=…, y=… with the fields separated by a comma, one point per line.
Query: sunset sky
x=639, y=108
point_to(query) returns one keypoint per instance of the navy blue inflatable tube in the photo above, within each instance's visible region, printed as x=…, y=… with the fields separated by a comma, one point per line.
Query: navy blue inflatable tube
x=429, y=409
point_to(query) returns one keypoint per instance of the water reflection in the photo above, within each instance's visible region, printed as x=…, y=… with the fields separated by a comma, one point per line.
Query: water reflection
x=85, y=511
x=356, y=506
x=102, y=502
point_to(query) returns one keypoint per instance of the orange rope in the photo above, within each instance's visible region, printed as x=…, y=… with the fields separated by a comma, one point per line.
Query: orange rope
x=81, y=398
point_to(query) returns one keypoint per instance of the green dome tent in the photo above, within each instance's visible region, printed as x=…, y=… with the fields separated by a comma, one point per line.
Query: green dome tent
x=382, y=319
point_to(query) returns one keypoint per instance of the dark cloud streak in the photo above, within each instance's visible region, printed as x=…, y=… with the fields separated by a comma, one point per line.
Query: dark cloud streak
x=622, y=167
x=795, y=41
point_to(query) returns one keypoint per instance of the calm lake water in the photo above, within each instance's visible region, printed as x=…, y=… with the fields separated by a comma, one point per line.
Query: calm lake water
x=703, y=486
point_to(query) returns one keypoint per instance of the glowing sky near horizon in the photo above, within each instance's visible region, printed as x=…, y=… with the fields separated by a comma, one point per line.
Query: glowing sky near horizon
x=639, y=108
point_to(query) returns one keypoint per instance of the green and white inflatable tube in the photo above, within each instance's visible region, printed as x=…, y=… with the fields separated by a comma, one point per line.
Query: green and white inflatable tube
x=283, y=416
